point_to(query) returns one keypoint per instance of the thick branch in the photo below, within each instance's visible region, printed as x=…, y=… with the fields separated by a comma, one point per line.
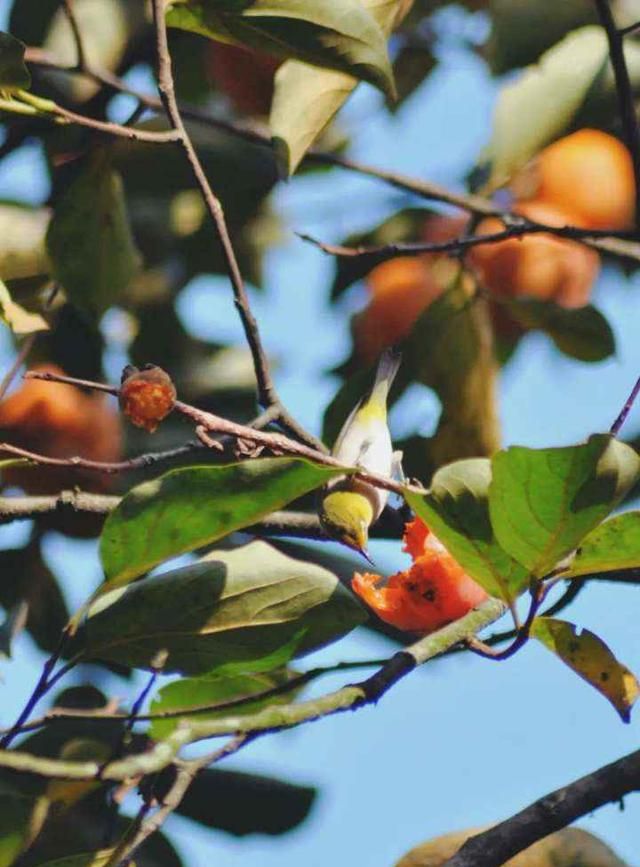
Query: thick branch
x=550, y=813
x=272, y=718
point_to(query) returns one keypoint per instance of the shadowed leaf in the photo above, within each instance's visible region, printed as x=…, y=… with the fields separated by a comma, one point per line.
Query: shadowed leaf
x=226, y=613
x=543, y=502
x=242, y=804
x=89, y=239
x=187, y=508
x=581, y=333
x=591, y=659
x=14, y=75
x=338, y=34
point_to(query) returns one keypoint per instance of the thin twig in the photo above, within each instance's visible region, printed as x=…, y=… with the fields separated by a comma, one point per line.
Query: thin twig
x=45, y=682
x=70, y=12
x=554, y=811
x=185, y=774
x=267, y=395
x=539, y=591
x=614, y=430
x=624, y=90
x=276, y=442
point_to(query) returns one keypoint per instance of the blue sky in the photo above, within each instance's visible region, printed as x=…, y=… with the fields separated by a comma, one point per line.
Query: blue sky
x=464, y=741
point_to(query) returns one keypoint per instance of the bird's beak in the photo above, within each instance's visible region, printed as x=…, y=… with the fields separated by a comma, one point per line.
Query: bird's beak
x=364, y=554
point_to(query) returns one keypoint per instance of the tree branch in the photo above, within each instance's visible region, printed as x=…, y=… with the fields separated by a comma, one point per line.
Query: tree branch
x=624, y=89
x=272, y=718
x=267, y=394
x=550, y=813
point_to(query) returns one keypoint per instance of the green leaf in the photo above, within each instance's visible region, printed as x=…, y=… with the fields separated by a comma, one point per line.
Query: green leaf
x=19, y=320
x=457, y=510
x=322, y=92
x=241, y=803
x=89, y=239
x=581, y=333
x=337, y=34
x=14, y=75
x=226, y=613
x=543, y=502
x=541, y=104
x=22, y=241
x=613, y=545
x=193, y=506
x=191, y=693
x=591, y=659
x=84, y=859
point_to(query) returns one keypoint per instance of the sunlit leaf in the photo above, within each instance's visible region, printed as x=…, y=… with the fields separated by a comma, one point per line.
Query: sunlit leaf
x=190, y=507
x=232, y=610
x=195, y=693
x=14, y=75
x=541, y=103
x=457, y=510
x=22, y=241
x=338, y=34
x=19, y=320
x=581, y=333
x=613, y=545
x=590, y=658
x=543, y=502
x=241, y=803
x=321, y=93
x=89, y=239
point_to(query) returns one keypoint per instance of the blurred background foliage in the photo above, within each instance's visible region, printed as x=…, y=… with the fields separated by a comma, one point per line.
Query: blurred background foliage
x=121, y=294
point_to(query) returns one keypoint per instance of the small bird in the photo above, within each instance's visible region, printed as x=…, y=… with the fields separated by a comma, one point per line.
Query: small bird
x=350, y=506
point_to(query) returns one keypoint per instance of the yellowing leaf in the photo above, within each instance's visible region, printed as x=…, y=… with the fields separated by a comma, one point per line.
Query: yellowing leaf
x=19, y=320
x=591, y=659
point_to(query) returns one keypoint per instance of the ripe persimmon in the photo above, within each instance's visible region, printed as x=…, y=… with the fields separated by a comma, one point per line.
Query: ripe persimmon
x=539, y=266
x=434, y=591
x=244, y=75
x=589, y=174
x=59, y=421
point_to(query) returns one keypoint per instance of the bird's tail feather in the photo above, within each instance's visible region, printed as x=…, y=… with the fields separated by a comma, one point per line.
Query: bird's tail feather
x=388, y=367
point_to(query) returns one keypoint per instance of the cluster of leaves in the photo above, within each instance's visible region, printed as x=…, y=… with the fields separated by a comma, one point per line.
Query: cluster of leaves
x=121, y=229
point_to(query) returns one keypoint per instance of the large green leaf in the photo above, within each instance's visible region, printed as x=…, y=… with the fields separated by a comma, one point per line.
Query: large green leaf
x=613, y=545
x=543, y=502
x=193, y=506
x=457, y=510
x=581, y=333
x=14, y=75
x=192, y=694
x=591, y=659
x=322, y=92
x=337, y=34
x=226, y=613
x=241, y=803
x=541, y=104
x=89, y=239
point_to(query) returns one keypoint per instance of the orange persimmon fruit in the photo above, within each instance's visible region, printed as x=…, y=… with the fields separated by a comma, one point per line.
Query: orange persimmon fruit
x=538, y=265
x=60, y=421
x=434, y=591
x=589, y=174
